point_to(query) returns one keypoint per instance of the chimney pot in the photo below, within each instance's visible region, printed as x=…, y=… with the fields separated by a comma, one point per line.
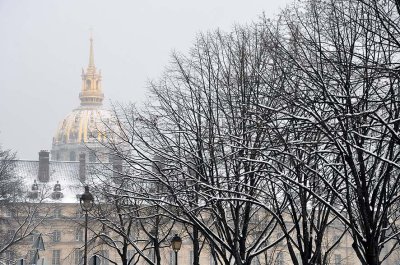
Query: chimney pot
x=117, y=166
x=44, y=164
x=82, y=167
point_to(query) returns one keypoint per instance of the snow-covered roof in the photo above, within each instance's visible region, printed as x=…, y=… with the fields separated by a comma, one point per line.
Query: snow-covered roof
x=64, y=173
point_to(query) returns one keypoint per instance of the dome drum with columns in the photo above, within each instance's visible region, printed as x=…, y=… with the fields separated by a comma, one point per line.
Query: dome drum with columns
x=83, y=130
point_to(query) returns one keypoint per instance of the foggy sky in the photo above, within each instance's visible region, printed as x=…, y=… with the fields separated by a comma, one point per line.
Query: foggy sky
x=44, y=44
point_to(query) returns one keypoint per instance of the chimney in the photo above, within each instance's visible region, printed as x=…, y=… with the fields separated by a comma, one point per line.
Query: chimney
x=82, y=167
x=117, y=166
x=44, y=164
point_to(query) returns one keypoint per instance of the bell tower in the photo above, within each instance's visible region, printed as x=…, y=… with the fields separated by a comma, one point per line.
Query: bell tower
x=92, y=93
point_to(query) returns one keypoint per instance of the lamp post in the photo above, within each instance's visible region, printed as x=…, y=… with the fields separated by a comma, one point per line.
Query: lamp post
x=153, y=234
x=39, y=246
x=176, y=243
x=86, y=202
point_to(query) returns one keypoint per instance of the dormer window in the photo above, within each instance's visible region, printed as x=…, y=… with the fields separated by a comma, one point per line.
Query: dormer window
x=57, y=187
x=34, y=193
x=35, y=186
x=57, y=194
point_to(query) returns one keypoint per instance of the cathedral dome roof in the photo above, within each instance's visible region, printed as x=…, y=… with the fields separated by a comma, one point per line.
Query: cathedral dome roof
x=83, y=125
x=84, y=129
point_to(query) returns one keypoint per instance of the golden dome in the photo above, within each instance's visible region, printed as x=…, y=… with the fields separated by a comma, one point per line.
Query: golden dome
x=83, y=130
x=82, y=125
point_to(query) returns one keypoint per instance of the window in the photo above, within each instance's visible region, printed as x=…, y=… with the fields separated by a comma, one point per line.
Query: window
x=104, y=257
x=72, y=156
x=32, y=237
x=172, y=258
x=57, y=213
x=279, y=236
x=131, y=253
x=335, y=239
x=8, y=213
x=338, y=259
x=78, y=256
x=32, y=255
x=79, y=234
x=56, y=195
x=152, y=255
x=191, y=257
x=79, y=213
x=110, y=158
x=92, y=156
x=134, y=233
x=56, y=236
x=9, y=257
x=105, y=236
x=88, y=84
x=212, y=260
x=255, y=261
x=280, y=259
x=256, y=218
x=298, y=257
x=56, y=260
x=10, y=234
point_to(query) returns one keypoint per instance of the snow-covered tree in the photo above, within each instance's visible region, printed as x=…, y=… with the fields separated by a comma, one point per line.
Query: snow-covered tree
x=20, y=215
x=343, y=85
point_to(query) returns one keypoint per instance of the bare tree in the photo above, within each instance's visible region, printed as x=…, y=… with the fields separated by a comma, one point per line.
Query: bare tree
x=201, y=132
x=343, y=87
x=297, y=122
x=21, y=214
x=131, y=226
x=9, y=187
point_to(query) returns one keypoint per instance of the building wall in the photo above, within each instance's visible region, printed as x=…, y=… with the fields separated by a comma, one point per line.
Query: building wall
x=60, y=237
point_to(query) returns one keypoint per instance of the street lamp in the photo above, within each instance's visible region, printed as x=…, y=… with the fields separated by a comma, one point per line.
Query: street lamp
x=176, y=243
x=38, y=245
x=86, y=202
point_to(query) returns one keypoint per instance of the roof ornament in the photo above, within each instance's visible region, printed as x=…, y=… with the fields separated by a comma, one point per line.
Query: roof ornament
x=57, y=194
x=35, y=186
x=57, y=187
x=34, y=193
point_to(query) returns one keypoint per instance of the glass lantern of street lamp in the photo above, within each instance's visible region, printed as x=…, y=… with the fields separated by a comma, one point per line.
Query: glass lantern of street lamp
x=176, y=243
x=86, y=200
x=38, y=244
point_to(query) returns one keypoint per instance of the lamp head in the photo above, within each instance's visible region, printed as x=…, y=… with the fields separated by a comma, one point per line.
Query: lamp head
x=86, y=200
x=176, y=243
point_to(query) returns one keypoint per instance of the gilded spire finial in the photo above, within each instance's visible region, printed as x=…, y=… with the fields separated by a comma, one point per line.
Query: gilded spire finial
x=91, y=82
x=91, y=56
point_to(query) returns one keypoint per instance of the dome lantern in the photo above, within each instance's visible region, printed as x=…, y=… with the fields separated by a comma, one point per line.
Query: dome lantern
x=91, y=93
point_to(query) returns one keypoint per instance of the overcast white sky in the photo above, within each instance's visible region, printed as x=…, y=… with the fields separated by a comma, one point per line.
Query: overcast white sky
x=45, y=43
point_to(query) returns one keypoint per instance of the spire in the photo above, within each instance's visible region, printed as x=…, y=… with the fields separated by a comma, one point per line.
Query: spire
x=91, y=56
x=91, y=69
